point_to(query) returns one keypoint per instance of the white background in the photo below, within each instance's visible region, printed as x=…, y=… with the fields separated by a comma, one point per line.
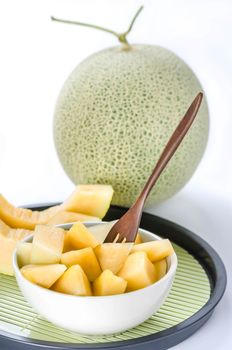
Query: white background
x=37, y=55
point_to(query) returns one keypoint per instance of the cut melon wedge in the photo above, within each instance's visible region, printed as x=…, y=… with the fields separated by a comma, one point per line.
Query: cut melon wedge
x=91, y=200
x=24, y=218
x=64, y=217
x=160, y=268
x=156, y=250
x=7, y=247
x=138, y=271
x=86, y=259
x=74, y=281
x=47, y=245
x=112, y=256
x=4, y=229
x=109, y=284
x=13, y=233
x=79, y=237
x=24, y=253
x=9, y=239
x=43, y=275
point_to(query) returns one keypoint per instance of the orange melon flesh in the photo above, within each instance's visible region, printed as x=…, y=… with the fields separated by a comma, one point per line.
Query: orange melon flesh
x=138, y=239
x=74, y=281
x=100, y=231
x=24, y=253
x=18, y=233
x=109, y=284
x=7, y=247
x=64, y=217
x=91, y=200
x=138, y=271
x=24, y=218
x=86, y=259
x=9, y=239
x=43, y=275
x=4, y=229
x=112, y=256
x=156, y=250
x=160, y=268
x=47, y=245
x=79, y=237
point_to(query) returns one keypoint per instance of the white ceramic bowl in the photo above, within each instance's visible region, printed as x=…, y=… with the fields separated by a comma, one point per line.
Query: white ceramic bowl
x=98, y=314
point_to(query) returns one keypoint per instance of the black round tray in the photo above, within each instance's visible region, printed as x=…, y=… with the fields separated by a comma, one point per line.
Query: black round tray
x=186, y=239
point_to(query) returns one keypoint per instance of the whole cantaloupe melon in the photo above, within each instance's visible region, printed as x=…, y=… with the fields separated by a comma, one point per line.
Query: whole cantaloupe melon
x=116, y=112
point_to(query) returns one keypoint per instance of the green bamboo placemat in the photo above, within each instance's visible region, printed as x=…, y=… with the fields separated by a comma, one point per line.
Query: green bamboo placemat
x=190, y=292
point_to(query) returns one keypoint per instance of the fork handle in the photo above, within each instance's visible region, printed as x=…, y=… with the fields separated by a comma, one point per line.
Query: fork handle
x=170, y=148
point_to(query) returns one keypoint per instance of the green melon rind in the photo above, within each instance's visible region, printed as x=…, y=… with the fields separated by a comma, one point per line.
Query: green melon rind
x=116, y=112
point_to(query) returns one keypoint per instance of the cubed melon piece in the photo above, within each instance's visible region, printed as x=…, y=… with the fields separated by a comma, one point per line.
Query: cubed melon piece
x=100, y=231
x=91, y=200
x=138, y=239
x=160, y=268
x=43, y=275
x=86, y=259
x=64, y=217
x=109, y=284
x=156, y=250
x=7, y=247
x=138, y=271
x=24, y=218
x=112, y=256
x=79, y=237
x=47, y=245
x=74, y=281
x=24, y=253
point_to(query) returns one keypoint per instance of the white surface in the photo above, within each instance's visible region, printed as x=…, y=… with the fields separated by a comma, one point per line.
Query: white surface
x=62, y=309
x=37, y=56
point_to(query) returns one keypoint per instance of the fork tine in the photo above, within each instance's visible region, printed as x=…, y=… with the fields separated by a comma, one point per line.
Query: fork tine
x=117, y=238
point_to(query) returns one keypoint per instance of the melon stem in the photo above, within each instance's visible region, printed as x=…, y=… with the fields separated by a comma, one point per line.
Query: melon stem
x=122, y=37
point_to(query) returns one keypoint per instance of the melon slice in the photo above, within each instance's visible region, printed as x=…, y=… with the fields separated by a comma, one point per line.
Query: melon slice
x=8, y=243
x=160, y=268
x=43, y=275
x=91, y=200
x=138, y=271
x=86, y=259
x=47, y=245
x=156, y=250
x=24, y=218
x=7, y=247
x=13, y=233
x=74, y=281
x=79, y=237
x=4, y=229
x=24, y=253
x=64, y=217
x=112, y=256
x=109, y=284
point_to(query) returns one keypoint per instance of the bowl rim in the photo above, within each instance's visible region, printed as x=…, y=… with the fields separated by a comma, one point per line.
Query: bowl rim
x=171, y=271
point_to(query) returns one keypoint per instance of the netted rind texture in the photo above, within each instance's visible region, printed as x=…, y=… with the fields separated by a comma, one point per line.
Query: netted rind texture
x=116, y=112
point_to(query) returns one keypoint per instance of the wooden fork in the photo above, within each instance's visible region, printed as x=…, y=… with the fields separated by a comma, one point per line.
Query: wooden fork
x=126, y=228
